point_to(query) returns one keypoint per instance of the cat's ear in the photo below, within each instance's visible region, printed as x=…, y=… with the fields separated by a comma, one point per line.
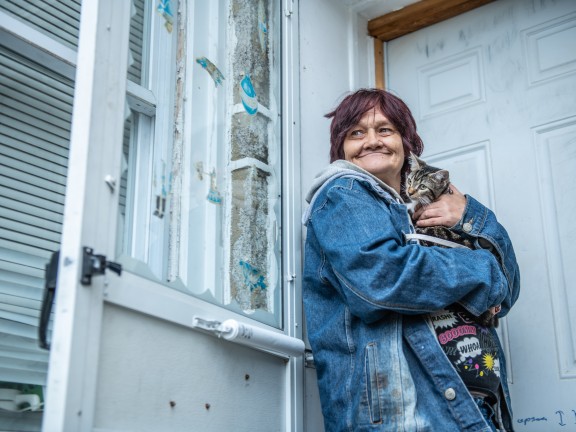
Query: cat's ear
x=442, y=176
x=415, y=162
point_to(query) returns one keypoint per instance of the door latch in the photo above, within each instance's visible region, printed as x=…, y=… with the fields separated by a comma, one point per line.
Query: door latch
x=93, y=265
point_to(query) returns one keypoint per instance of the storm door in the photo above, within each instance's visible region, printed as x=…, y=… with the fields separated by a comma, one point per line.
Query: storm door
x=176, y=305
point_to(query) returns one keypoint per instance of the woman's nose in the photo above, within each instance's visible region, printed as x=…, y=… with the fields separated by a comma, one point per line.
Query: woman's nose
x=372, y=138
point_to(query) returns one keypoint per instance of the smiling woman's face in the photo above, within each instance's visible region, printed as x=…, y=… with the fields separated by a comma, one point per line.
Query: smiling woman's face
x=375, y=145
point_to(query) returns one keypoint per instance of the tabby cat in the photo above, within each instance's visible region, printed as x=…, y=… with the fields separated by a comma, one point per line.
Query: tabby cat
x=424, y=184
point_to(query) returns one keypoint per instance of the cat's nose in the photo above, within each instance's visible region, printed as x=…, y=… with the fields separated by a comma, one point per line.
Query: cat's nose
x=410, y=191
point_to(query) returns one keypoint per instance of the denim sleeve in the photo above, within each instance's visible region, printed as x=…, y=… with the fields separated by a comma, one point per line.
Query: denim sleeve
x=480, y=222
x=367, y=259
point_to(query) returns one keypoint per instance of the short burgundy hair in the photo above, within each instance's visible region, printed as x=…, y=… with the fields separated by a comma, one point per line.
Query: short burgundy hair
x=349, y=112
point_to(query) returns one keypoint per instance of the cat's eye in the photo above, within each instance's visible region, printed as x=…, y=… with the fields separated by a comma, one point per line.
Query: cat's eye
x=422, y=187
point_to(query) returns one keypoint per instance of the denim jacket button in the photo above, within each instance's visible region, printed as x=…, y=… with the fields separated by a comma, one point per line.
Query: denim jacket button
x=467, y=227
x=450, y=394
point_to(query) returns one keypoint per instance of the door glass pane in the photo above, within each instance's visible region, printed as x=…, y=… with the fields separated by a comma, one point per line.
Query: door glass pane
x=202, y=211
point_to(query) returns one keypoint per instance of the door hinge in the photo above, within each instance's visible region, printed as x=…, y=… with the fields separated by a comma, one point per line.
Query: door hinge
x=93, y=265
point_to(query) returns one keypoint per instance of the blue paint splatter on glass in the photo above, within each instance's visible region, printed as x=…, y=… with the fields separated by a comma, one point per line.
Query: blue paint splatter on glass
x=165, y=9
x=213, y=193
x=252, y=276
x=212, y=70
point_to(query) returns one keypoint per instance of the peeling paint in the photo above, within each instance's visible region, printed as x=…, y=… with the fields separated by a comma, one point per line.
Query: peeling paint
x=177, y=150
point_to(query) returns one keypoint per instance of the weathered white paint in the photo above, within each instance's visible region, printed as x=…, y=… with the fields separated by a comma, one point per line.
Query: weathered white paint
x=494, y=101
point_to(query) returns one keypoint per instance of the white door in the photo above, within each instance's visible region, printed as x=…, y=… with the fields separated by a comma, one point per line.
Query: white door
x=494, y=94
x=200, y=329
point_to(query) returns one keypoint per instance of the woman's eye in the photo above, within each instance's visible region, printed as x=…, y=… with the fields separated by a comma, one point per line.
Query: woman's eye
x=356, y=133
x=385, y=131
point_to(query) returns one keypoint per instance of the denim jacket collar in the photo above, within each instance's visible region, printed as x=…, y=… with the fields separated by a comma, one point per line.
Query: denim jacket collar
x=343, y=168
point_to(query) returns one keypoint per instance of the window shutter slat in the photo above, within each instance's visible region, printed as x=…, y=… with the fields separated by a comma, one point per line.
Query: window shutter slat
x=23, y=110
x=28, y=183
x=35, y=116
x=10, y=145
x=57, y=19
x=28, y=141
x=46, y=170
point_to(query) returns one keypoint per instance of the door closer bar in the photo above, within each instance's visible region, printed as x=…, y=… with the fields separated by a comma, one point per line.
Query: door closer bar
x=250, y=335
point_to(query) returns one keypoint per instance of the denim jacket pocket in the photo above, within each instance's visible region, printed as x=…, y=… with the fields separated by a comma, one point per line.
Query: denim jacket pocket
x=373, y=384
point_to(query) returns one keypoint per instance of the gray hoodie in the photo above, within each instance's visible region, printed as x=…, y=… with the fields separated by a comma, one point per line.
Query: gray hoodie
x=343, y=168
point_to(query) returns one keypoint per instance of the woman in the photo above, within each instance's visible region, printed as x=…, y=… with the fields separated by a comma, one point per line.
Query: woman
x=376, y=304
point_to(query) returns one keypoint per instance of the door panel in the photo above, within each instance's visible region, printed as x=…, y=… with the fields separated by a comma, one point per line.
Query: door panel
x=493, y=94
x=157, y=376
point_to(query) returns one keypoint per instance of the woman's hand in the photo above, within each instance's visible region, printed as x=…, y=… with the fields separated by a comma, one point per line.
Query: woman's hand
x=447, y=210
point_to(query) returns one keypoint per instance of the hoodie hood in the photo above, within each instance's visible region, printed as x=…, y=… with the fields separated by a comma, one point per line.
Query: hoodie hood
x=343, y=168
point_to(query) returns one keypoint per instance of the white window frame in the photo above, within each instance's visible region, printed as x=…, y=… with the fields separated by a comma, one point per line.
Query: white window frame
x=151, y=103
x=181, y=308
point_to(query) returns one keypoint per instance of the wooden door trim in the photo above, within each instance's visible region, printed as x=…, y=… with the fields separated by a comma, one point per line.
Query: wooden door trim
x=379, y=63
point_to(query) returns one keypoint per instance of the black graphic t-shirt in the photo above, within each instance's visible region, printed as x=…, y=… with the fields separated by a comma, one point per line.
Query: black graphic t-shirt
x=470, y=347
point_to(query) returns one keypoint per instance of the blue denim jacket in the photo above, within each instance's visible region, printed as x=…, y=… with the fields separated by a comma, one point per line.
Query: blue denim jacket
x=367, y=294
